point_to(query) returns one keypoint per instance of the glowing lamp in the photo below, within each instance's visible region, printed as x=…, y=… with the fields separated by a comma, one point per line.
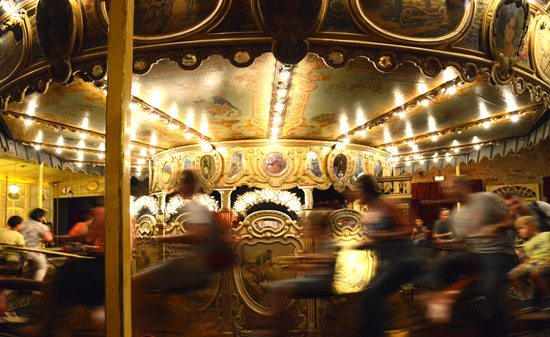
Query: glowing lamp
x=13, y=189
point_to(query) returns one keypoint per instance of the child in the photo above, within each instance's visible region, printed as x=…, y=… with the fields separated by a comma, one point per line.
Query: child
x=536, y=264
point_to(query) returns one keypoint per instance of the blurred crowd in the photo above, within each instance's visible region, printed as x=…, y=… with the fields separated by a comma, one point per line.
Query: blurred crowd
x=493, y=244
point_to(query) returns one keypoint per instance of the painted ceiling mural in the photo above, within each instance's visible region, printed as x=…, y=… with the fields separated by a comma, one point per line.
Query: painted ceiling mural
x=217, y=99
x=376, y=72
x=329, y=102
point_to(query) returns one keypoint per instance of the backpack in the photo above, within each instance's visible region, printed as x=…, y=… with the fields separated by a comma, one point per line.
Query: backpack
x=543, y=218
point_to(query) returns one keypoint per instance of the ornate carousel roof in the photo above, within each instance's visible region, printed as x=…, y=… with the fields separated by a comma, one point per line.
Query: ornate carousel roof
x=431, y=82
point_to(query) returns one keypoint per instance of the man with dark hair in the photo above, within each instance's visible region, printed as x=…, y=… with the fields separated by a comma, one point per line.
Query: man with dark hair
x=483, y=224
x=34, y=230
x=442, y=229
x=538, y=209
x=11, y=236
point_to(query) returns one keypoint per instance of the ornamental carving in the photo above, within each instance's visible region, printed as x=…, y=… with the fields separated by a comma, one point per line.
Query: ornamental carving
x=262, y=165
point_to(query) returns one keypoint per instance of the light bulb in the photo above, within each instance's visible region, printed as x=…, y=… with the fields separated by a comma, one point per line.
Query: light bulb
x=14, y=189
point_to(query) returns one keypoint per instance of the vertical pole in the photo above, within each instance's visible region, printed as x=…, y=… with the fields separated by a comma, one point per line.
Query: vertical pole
x=117, y=170
x=457, y=168
x=40, y=183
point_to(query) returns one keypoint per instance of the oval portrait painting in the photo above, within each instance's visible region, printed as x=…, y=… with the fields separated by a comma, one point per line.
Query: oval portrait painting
x=275, y=164
x=542, y=51
x=207, y=167
x=508, y=28
x=340, y=166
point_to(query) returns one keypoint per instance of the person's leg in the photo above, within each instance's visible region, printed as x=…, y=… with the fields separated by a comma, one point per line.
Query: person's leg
x=386, y=281
x=493, y=270
x=517, y=276
x=451, y=267
x=41, y=264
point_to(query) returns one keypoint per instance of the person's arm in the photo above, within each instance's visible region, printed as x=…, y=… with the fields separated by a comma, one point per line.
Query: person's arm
x=402, y=230
x=441, y=236
x=415, y=233
x=47, y=236
x=197, y=233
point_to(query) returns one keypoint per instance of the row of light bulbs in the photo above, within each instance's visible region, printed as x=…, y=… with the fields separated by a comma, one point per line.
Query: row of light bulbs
x=513, y=116
x=279, y=100
x=448, y=88
x=422, y=157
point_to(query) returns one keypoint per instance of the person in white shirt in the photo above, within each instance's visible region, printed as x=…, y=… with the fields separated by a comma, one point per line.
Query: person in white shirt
x=35, y=231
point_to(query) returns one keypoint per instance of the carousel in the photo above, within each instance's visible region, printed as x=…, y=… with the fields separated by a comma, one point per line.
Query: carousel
x=279, y=105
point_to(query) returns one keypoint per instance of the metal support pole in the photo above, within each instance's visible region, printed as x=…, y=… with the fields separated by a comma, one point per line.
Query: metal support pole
x=40, y=183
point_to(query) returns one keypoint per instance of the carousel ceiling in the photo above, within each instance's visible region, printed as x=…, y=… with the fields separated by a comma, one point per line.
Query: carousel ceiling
x=418, y=103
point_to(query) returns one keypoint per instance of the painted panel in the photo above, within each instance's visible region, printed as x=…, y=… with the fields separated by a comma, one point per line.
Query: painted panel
x=337, y=19
x=164, y=18
x=12, y=49
x=257, y=270
x=473, y=39
x=541, y=48
x=422, y=19
x=508, y=28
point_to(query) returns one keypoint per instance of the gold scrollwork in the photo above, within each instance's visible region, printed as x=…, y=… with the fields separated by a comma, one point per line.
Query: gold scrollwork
x=146, y=226
x=162, y=179
x=346, y=224
x=252, y=243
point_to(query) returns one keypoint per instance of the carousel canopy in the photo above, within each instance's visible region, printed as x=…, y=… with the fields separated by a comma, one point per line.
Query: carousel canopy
x=430, y=82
